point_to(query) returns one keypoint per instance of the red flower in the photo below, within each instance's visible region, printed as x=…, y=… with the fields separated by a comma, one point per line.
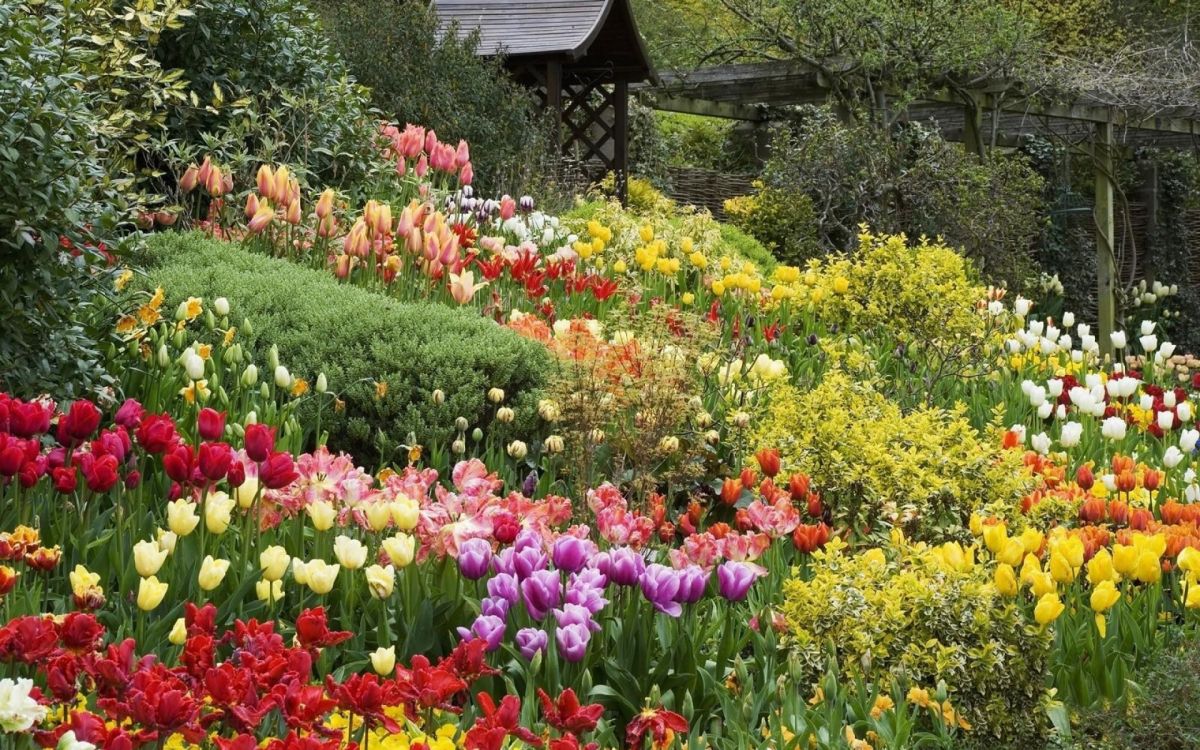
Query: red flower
x=12, y=455
x=505, y=527
x=768, y=461
x=78, y=423
x=241, y=742
x=8, y=579
x=260, y=441
x=309, y=742
x=1084, y=477
x=214, y=460
x=157, y=433
x=810, y=537
x=237, y=473
x=566, y=715
x=467, y=660
x=497, y=723
x=659, y=723
x=312, y=630
x=278, y=471
x=364, y=696
x=200, y=619
x=101, y=474
x=426, y=686
x=178, y=463
x=29, y=639
x=603, y=288
x=211, y=423
x=28, y=419
x=80, y=632
x=731, y=490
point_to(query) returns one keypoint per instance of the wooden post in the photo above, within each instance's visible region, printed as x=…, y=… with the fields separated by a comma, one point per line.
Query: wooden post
x=554, y=100
x=973, y=127
x=621, y=137
x=1106, y=261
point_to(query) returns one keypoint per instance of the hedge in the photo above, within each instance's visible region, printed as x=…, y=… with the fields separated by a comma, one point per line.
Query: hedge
x=357, y=337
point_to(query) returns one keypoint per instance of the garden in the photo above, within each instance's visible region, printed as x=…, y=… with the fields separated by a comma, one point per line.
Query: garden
x=332, y=418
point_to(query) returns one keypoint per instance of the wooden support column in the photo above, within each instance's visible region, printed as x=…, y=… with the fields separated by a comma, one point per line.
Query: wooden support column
x=554, y=100
x=1106, y=261
x=621, y=137
x=973, y=127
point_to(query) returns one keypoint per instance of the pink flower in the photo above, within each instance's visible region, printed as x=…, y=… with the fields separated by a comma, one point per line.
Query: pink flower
x=463, y=286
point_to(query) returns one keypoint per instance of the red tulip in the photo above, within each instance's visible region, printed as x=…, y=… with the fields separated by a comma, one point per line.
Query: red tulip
x=214, y=460
x=1084, y=477
x=1092, y=511
x=101, y=474
x=810, y=537
x=78, y=423
x=156, y=433
x=260, y=441
x=211, y=424
x=1151, y=479
x=798, y=485
x=65, y=479
x=278, y=471
x=178, y=463
x=236, y=476
x=566, y=715
x=731, y=490
x=749, y=478
x=768, y=461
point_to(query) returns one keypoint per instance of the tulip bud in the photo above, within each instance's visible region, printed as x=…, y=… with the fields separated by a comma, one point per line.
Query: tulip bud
x=273, y=357
x=194, y=366
x=164, y=357
x=505, y=414
x=250, y=375
x=383, y=660
x=221, y=306
x=178, y=634
x=518, y=450
x=458, y=447
x=268, y=591
x=322, y=383
x=462, y=424
x=283, y=378
x=212, y=572
x=553, y=444
x=439, y=397
x=495, y=395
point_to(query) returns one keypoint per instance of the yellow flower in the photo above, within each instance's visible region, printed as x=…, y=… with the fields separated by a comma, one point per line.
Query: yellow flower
x=148, y=557
x=204, y=350
x=269, y=591
x=193, y=307
x=883, y=703
x=1104, y=596
x=84, y=581
x=381, y=389
x=351, y=553
x=150, y=593
x=646, y=233
x=919, y=697
x=620, y=267
x=718, y=287
x=976, y=524
x=126, y=324
x=400, y=549
x=1189, y=560
x=381, y=580
x=178, y=634
x=995, y=537
x=273, y=561
x=320, y=575
x=1124, y=559
x=123, y=280
x=379, y=515
x=181, y=517
x=687, y=298
x=212, y=572
x=1006, y=580
x=300, y=387
x=246, y=492
x=383, y=660
x=1012, y=552
x=1042, y=584
x=229, y=334
x=405, y=512
x=841, y=285
x=1048, y=608
x=1032, y=539
x=157, y=299
x=148, y=315
x=322, y=514
x=698, y=260
x=1100, y=568
x=1060, y=568
x=218, y=512
x=1193, y=597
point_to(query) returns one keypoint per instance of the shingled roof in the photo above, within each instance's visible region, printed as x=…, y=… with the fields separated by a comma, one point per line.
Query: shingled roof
x=585, y=32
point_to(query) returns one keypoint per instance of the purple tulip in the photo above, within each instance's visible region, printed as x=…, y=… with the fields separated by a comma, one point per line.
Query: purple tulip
x=504, y=586
x=527, y=537
x=530, y=484
x=502, y=562
x=527, y=560
x=625, y=566
x=572, y=641
x=474, y=556
x=692, y=583
x=573, y=614
x=530, y=641
x=583, y=592
x=660, y=585
x=542, y=592
x=571, y=553
x=486, y=627
x=590, y=577
x=495, y=606
x=734, y=579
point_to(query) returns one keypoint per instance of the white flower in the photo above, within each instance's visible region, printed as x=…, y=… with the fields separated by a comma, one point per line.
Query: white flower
x=1065, y=341
x=1092, y=380
x=1040, y=443
x=1146, y=402
x=1113, y=428
x=1060, y=412
x=1081, y=397
x=1168, y=398
x=1068, y=319
x=1021, y=306
x=1149, y=342
x=996, y=308
x=1036, y=327
x=1071, y=433
x=1113, y=387
x=1083, y=329
x=69, y=742
x=1166, y=419
x=1049, y=346
x=1036, y=395
x=1192, y=493
x=1110, y=481
x=1187, y=440
x=1118, y=339
x=1166, y=350
x=1045, y=410
x=1172, y=457
x=221, y=306
x=1184, y=410
x=1054, y=387
x=1129, y=386
x=1019, y=431
x=1147, y=327
x=194, y=366
x=351, y=553
x=1087, y=342
x=283, y=378
x=18, y=711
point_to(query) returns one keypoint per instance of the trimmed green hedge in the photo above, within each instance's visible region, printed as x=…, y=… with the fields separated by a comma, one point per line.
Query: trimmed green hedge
x=357, y=337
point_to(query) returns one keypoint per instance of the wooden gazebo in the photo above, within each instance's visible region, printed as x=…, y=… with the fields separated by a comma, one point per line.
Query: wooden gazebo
x=579, y=56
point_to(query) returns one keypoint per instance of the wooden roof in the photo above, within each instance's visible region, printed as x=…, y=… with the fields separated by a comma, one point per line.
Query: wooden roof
x=592, y=33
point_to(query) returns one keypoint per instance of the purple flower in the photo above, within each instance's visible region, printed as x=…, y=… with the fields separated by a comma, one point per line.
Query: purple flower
x=660, y=585
x=486, y=627
x=503, y=561
x=734, y=579
x=573, y=614
x=572, y=641
x=130, y=414
x=542, y=592
x=692, y=582
x=504, y=586
x=590, y=577
x=527, y=537
x=530, y=641
x=526, y=560
x=495, y=606
x=474, y=555
x=530, y=484
x=584, y=592
x=571, y=553
x=625, y=566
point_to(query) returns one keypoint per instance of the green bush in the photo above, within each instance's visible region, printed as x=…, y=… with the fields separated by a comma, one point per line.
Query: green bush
x=358, y=338
x=781, y=218
x=418, y=76
x=914, y=619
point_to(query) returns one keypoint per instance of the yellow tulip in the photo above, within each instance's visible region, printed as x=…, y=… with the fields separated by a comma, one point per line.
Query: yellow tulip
x=1100, y=568
x=841, y=285
x=1189, y=560
x=1124, y=559
x=1102, y=625
x=321, y=575
x=1042, y=584
x=1029, y=568
x=406, y=513
x=1032, y=539
x=400, y=549
x=687, y=298
x=299, y=572
x=246, y=492
x=1104, y=595
x=1148, y=568
x=212, y=572
x=1048, y=608
x=273, y=561
x=167, y=540
x=1060, y=568
x=322, y=514
x=148, y=557
x=379, y=515
x=269, y=591
x=351, y=553
x=620, y=267
x=995, y=537
x=381, y=580
x=83, y=580
x=1071, y=548
x=1006, y=580
x=1193, y=597
x=181, y=517
x=976, y=524
x=218, y=512
x=178, y=634
x=150, y=593
x=1012, y=552
x=383, y=660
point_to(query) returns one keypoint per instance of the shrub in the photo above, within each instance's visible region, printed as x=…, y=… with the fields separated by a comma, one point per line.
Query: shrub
x=358, y=338
x=876, y=466
x=915, y=619
x=418, y=75
x=782, y=219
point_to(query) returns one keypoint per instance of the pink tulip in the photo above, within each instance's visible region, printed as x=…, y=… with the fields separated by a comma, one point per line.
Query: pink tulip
x=325, y=204
x=204, y=171
x=187, y=183
x=327, y=227
x=356, y=242
x=215, y=183
x=251, y=205
x=431, y=141
x=342, y=265
x=265, y=179
x=467, y=174
x=281, y=193
x=262, y=219
x=463, y=154
x=294, y=214
x=508, y=207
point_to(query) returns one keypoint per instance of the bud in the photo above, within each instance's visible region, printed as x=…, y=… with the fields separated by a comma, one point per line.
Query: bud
x=178, y=635
x=283, y=378
x=462, y=424
x=477, y=434
x=459, y=446
x=322, y=383
x=439, y=397
x=495, y=395
x=553, y=444
x=273, y=356
x=164, y=357
x=741, y=419
x=221, y=306
x=518, y=450
x=250, y=375
x=505, y=414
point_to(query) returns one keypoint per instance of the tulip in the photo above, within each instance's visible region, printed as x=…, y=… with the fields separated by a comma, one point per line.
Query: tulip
x=274, y=561
x=381, y=580
x=322, y=514
x=181, y=517
x=178, y=634
x=351, y=553
x=571, y=553
x=734, y=579
x=463, y=287
x=1104, y=596
x=660, y=585
x=474, y=556
x=406, y=513
x=150, y=593
x=148, y=558
x=218, y=512
x=212, y=572
x=1118, y=339
x=320, y=575
x=268, y=591
x=572, y=641
x=325, y=204
x=1113, y=428
x=245, y=492
x=541, y=592
x=190, y=178
x=383, y=660
x=1006, y=580
x=400, y=549
x=278, y=471
x=1048, y=608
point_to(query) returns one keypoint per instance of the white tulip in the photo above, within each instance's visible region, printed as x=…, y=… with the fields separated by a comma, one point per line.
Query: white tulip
x=1184, y=410
x=1113, y=428
x=1172, y=457
x=1166, y=420
x=194, y=365
x=1021, y=306
x=1068, y=319
x=1149, y=342
x=1071, y=433
x=1040, y=443
x=1045, y=410
x=1188, y=439
x=1118, y=339
x=283, y=378
x=1054, y=387
x=1147, y=327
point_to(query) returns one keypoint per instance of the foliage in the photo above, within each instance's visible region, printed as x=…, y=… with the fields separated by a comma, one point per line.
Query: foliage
x=917, y=618
x=910, y=181
x=417, y=74
x=359, y=339
x=782, y=219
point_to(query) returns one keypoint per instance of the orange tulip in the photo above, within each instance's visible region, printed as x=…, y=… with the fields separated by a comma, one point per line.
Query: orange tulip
x=463, y=286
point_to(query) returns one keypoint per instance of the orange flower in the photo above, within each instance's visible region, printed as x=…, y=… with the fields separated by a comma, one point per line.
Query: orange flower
x=8, y=579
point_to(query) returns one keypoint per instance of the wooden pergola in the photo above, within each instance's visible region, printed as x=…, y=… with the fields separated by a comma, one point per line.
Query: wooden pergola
x=579, y=56
x=1000, y=114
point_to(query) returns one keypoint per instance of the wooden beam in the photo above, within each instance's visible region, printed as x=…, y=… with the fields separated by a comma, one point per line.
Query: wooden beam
x=724, y=110
x=1106, y=259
